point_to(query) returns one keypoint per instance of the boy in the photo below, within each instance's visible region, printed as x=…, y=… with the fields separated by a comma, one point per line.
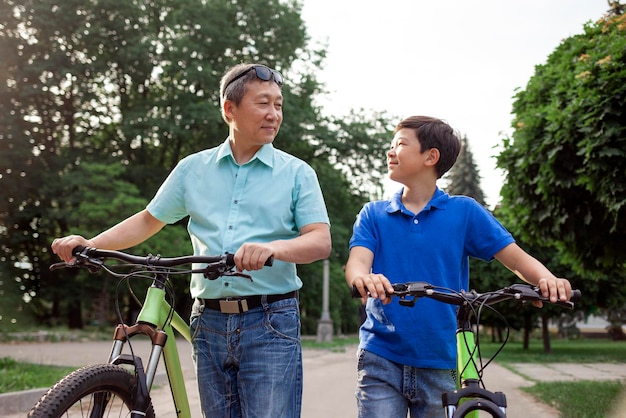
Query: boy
x=407, y=356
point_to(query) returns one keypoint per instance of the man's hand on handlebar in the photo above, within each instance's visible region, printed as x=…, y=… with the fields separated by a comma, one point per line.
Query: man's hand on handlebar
x=375, y=286
x=252, y=256
x=63, y=246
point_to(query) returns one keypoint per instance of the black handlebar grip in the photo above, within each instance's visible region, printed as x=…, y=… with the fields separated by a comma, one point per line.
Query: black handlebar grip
x=355, y=292
x=230, y=260
x=576, y=296
x=78, y=249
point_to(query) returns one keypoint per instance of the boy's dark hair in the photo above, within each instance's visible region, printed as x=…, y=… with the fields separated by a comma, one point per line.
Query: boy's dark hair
x=434, y=133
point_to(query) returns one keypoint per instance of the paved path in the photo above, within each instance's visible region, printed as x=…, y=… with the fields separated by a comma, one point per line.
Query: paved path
x=329, y=379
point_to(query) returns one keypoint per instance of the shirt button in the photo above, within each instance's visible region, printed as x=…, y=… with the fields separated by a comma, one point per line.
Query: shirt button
x=415, y=221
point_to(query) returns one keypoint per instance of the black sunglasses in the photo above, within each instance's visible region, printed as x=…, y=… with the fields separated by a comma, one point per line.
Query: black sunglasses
x=262, y=73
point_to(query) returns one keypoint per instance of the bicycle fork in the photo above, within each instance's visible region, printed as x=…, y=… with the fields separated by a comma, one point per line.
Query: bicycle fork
x=151, y=323
x=144, y=378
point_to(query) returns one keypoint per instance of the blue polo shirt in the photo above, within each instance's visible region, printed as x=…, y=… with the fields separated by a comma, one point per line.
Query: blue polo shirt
x=432, y=246
x=271, y=197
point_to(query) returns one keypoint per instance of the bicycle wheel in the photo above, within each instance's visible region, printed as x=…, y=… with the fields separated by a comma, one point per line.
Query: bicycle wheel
x=100, y=390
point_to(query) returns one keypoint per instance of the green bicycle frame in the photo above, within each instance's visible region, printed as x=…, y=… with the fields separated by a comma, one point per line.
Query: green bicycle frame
x=470, y=397
x=466, y=360
x=466, y=356
x=152, y=321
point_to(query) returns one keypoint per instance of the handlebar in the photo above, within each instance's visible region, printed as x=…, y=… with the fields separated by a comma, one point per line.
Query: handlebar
x=216, y=266
x=409, y=292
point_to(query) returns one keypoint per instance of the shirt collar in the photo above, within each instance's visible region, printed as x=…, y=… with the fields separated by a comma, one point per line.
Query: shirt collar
x=439, y=201
x=265, y=154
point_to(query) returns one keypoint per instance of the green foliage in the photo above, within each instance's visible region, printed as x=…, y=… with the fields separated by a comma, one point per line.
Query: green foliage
x=15, y=312
x=358, y=144
x=99, y=101
x=566, y=182
x=344, y=310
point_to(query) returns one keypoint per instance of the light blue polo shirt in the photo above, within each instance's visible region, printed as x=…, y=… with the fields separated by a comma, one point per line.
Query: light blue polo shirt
x=432, y=246
x=271, y=197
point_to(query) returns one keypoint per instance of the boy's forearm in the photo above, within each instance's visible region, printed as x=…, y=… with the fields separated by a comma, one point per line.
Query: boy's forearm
x=525, y=266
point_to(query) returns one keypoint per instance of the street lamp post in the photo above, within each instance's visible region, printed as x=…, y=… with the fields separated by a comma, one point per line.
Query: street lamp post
x=325, y=323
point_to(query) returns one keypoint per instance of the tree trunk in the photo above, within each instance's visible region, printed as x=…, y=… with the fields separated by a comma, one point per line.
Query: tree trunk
x=545, y=334
x=528, y=326
x=75, y=313
x=102, y=306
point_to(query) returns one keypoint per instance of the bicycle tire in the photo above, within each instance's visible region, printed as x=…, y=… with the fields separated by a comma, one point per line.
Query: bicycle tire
x=80, y=392
x=475, y=405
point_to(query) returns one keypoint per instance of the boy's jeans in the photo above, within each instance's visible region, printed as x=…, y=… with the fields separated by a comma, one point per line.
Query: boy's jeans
x=388, y=389
x=249, y=364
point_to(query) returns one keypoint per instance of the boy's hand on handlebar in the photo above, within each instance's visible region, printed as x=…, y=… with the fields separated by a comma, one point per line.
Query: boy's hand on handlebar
x=63, y=246
x=375, y=286
x=556, y=289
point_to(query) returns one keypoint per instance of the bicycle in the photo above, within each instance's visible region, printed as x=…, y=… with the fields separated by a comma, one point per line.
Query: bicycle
x=121, y=387
x=471, y=394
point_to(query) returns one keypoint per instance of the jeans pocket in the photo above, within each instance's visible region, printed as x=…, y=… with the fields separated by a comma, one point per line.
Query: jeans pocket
x=194, y=320
x=360, y=356
x=284, y=321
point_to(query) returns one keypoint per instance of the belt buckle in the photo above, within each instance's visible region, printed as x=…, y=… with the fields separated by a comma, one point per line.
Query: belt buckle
x=233, y=306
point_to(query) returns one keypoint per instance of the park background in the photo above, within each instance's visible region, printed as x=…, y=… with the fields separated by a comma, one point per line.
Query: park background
x=100, y=100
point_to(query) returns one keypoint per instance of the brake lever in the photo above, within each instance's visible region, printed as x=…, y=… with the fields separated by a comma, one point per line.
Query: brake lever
x=93, y=265
x=534, y=293
x=213, y=271
x=60, y=265
x=238, y=274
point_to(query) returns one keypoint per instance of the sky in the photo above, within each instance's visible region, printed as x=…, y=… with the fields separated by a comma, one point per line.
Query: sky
x=458, y=60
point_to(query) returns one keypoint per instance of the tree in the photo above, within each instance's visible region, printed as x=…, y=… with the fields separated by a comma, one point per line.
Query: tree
x=357, y=144
x=566, y=185
x=128, y=89
x=464, y=177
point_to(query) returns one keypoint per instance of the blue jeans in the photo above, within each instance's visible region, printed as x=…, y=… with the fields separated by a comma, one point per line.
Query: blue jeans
x=249, y=364
x=388, y=389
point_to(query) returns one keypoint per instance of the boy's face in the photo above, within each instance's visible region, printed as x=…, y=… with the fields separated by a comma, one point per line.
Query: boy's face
x=405, y=158
x=257, y=119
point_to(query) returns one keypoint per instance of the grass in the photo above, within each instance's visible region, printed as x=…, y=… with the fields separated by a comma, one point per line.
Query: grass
x=583, y=399
x=16, y=376
x=579, y=399
x=337, y=345
x=89, y=333
x=563, y=351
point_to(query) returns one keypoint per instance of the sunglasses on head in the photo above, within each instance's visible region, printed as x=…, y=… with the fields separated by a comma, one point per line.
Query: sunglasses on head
x=262, y=73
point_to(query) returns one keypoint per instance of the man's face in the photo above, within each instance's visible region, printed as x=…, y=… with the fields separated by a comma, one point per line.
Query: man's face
x=257, y=119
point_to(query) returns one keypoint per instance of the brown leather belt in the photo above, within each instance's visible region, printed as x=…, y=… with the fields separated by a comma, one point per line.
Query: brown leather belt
x=242, y=304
